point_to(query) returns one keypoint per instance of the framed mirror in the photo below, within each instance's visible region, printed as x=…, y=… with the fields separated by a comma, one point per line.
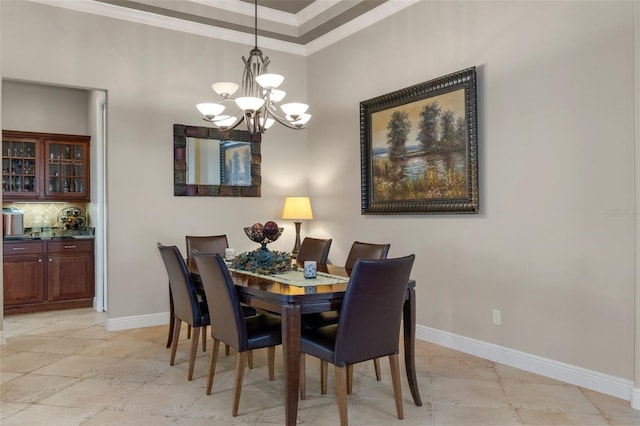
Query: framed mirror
x=213, y=163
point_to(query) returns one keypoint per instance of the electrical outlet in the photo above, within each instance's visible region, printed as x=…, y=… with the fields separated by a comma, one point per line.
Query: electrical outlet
x=496, y=317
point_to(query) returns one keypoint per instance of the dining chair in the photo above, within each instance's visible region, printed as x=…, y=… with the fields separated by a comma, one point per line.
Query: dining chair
x=359, y=250
x=368, y=328
x=314, y=249
x=187, y=305
x=203, y=243
x=230, y=326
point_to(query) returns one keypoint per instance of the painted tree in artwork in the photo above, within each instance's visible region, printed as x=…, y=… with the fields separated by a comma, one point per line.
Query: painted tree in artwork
x=428, y=128
x=398, y=130
x=448, y=131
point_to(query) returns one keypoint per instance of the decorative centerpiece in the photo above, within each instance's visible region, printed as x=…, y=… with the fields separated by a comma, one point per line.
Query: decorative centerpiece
x=264, y=234
x=263, y=260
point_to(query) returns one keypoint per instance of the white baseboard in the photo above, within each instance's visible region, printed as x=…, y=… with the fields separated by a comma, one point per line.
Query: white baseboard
x=138, y=321
x=599, y=382
x=635, y=399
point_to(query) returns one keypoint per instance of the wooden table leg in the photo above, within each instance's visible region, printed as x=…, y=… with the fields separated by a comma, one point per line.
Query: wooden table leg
x=409, y=321
x=291, y=348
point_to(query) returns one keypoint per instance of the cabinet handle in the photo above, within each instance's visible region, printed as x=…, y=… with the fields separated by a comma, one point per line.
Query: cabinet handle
x=70, y=247
x=50, y=260
x=40, y=260
x=18, y=248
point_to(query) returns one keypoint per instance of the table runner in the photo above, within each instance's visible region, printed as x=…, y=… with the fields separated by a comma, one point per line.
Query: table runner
x=296, y=278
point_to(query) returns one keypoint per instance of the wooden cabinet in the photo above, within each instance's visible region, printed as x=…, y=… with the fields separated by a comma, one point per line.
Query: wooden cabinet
x=45, y=167
x=23, y=274
x=48, y=274
x=70, y=270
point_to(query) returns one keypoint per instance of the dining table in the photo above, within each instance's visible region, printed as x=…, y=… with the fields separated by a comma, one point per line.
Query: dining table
x=291, y=296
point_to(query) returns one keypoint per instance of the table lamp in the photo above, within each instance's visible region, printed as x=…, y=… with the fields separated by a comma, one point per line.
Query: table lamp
x=298, y=209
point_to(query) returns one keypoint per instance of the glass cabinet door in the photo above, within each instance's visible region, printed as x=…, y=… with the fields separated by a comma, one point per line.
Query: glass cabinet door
x=66, y=169
x=19, y=168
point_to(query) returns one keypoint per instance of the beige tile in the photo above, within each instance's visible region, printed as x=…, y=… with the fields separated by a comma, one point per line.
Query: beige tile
x=26, y=362
x=612, y=408
x=93, y=393
x=132, y=370
x=560, y=418
x=9, y=408
x=463, y=415
x=73, y=371
x=507, y=373
x=46, y=415
x=463, y=368
x=77, y=366
x=476, y=393
x=5, y=377
x=32, y=388
x=121, y=418
x=535, y=396
x=163, y=400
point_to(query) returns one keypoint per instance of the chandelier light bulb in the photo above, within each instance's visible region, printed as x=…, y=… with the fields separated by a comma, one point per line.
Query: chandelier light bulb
x=210, y=110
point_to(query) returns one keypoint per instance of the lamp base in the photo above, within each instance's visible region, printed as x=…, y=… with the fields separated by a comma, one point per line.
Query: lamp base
x=296, y=246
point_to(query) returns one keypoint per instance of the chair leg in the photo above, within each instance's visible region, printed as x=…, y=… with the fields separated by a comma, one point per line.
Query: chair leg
x=250, y=356
x=241, y=361
x=349, y=379
x=194, y=352
x=376, y=367
x=271, y=361
x=204, y=338
x=397, y=389
x=171, y=320
x=226, y=349
x=188, y=331
x=213, y=359
x=341, y=393
x=303, y=377
x=324, y=366
x=177, y=323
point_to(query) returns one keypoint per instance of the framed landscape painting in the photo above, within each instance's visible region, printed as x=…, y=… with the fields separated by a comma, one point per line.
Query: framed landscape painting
x=419, y=148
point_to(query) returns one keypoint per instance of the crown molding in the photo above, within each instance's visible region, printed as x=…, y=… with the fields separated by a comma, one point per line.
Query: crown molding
x=118, y=12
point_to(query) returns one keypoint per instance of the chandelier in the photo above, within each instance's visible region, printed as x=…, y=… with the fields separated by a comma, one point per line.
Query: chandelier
x=259, y=97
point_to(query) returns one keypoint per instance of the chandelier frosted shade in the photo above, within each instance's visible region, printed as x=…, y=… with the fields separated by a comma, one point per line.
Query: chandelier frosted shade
x=225, y=122
x=270, y=81
x=249, y=104
x=210, y=110
x=225, y=88
x=294, y=109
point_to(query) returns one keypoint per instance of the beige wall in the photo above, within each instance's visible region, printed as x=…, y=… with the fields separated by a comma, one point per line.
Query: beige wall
x=552, y=248
x=153, y=79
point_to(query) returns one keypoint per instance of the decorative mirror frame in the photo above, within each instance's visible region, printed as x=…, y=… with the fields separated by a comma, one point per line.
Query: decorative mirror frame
x=180, y=187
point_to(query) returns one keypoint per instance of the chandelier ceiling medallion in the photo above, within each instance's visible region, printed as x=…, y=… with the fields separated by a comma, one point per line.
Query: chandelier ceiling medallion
x=259, y=98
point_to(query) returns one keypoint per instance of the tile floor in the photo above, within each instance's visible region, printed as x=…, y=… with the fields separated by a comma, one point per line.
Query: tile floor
x=63, y=369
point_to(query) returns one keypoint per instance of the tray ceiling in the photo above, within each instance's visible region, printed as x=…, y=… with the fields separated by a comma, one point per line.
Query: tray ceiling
x=295, y=26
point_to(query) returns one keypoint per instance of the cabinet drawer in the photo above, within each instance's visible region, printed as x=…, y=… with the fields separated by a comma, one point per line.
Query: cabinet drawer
x=22, y=247
x=67, y=246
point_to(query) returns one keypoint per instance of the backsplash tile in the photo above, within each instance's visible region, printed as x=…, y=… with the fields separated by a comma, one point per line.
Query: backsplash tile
x=45, y=210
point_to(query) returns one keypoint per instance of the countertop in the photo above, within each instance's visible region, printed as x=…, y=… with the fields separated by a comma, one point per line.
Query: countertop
x=10, y=238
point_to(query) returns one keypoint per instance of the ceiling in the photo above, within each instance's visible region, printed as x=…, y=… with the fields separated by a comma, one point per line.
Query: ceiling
x=295, y=26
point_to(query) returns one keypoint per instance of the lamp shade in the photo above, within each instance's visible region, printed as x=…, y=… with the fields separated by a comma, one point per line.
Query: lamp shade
x=297, y=208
